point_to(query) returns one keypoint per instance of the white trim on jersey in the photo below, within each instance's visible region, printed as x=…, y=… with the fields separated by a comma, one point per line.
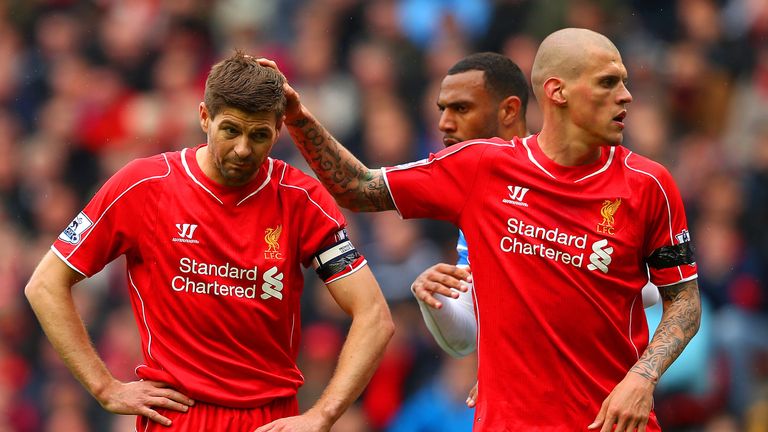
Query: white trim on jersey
x=58, y=254
x=603, y=169
x=143, y=316
x=666, y=199
x=533, y=159
x=429, y=161
x=101, y=216
x=386, y=182
x=194, y=179
x=282, y=177
x=611, y=154
x=629, y=336
x=343, y=275
x=688, y=279
x=266, y=181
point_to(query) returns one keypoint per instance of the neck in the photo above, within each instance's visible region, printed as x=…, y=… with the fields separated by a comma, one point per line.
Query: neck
x=566, y=149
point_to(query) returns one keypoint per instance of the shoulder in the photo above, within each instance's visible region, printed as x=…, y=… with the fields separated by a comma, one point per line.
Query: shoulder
x=143, y=170
x=645, y=171
x=291, y=177
x=479, y=146
x=641, y=165
x=305, y=191
x=465, y=153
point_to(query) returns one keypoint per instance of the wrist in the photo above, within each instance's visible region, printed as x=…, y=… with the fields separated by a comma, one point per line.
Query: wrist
x=328, y=411
x=103, y=389
x=651, y=376
x=297, y=117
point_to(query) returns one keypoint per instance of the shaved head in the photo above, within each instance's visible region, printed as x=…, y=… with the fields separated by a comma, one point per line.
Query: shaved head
x=564, y=54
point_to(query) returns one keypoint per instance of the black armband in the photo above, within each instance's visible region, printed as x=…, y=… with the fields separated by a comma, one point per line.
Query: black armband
x=671, y=256
x=335, y=259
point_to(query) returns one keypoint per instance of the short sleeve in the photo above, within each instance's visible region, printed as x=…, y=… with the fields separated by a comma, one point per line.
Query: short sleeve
x=437, y=187
x=108, y=225
x=669, y=251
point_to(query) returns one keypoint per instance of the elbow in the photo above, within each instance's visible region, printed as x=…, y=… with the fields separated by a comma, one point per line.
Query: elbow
x=34, y=291
x=387, y=326
x=382, y=319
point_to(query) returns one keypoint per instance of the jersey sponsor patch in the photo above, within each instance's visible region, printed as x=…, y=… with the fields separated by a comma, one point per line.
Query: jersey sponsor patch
x=74, y=231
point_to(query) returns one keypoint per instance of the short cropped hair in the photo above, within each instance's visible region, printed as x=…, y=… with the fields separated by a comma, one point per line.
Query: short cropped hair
x=503, y=78
x=241, y=82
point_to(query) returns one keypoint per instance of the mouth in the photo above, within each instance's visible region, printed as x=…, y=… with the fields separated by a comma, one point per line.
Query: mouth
x=619, y=119
x=449, y=141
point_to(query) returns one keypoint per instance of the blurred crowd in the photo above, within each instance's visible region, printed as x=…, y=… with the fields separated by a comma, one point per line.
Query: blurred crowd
x=86, y=86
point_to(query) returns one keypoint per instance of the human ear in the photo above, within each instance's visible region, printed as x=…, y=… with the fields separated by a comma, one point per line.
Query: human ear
x=205, y=118
x=554, y=88
x=509, y=110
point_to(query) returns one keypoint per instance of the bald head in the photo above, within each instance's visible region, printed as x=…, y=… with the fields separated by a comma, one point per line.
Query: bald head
x=564, y=54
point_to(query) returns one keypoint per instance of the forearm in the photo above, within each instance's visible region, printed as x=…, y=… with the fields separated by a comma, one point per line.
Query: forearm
x=354, y=185
x=55, y=310
x=360, y=355
x=453, y=325
x=679, y=323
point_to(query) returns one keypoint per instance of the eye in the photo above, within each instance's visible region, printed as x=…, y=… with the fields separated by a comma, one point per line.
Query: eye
x=609, y=82
x=229, y=130
x=462, y=109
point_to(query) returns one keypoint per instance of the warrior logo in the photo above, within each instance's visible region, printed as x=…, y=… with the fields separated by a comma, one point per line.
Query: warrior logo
x=272, y=237
x=607, y=211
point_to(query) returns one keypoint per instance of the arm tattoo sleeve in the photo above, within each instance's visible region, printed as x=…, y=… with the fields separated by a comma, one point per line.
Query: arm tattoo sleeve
x=679, y=323
x=349, y=181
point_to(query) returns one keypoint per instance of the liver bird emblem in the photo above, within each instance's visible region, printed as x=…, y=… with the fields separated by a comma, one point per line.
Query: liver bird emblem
x=608, y=210
x=271, y=237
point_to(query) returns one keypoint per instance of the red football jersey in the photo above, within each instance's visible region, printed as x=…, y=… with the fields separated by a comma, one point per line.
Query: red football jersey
x=559, y=258
x=214, y=272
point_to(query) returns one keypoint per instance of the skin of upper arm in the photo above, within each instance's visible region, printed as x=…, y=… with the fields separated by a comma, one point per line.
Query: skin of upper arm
x=359, y=293
x=51, y=274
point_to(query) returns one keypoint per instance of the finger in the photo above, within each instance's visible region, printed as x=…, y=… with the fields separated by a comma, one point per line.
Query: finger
x=472, y=399
x=622, y=425
x=155, y=416
x=175, y=396
x=642, y=424
x=266, y=62
x=456, y=272
x=439, y=288
x=610, y=420
x=429, y=300
x=168, y=404
x=600, y=417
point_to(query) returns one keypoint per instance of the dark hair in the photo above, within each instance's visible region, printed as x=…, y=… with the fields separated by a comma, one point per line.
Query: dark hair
x=503, y=78
x=241, y=82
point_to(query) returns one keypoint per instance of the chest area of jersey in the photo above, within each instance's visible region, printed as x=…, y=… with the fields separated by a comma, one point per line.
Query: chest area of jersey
x=209, y=248
x=596, y=229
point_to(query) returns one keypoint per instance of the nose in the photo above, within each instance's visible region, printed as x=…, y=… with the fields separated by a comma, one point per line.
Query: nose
x=625, y=96
x=243, y=147
x=446, y=123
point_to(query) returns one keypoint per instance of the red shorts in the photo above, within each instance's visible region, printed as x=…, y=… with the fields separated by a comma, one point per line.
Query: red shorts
x=215, y=418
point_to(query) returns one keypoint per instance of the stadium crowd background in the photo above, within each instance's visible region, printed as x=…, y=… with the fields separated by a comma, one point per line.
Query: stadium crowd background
x=85, y=86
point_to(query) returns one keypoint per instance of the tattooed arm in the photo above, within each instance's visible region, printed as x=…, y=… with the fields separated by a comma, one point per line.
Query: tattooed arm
x=629, y=404
x=679, y=323
x=354, y=185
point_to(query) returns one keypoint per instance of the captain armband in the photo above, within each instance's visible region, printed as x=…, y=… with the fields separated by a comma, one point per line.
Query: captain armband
x=671, y=256
x=337, y=259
